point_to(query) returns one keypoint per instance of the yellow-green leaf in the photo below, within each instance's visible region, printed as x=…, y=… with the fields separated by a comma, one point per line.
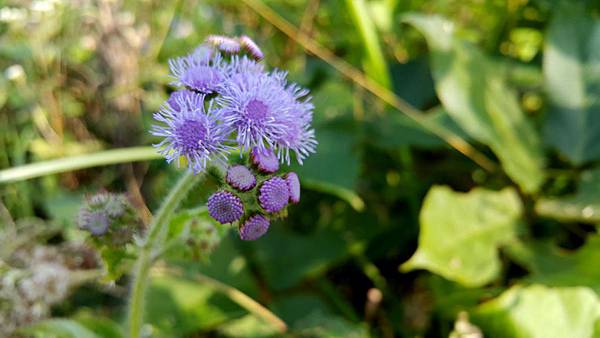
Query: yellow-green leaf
x=461, y=232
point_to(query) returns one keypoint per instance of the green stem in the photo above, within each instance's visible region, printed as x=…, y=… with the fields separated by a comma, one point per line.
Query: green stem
x=44, y=168
x=153, y=242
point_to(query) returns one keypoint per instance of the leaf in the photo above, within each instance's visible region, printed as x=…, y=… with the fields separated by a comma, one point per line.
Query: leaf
x=540, y=312
x=307, y=257
x=553, y=266
x=583, y=207
x=460, y=233
x=248, y=326
x=336, y=161
x=101, y=326
x=59, y=328
x=178, y=306
x=474, y=92
x=572, y=75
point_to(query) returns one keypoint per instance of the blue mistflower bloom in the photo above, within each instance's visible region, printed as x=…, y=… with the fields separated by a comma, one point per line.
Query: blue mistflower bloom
x=244, y=64
x=262, y=107
x=203, y=70
x=192, y=131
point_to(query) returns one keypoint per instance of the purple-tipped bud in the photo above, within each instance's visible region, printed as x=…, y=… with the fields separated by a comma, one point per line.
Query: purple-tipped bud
x=265, y=160
x=96, y=222
x=294, y=185
x=251, y=47
x=225, y=207
x=224, y=43
x=274, y=194
x=240, y=178
x=254, y=228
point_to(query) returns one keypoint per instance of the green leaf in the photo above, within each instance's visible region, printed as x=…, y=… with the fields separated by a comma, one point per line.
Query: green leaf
x=553, y=266
x=59, y=328
x=583, y=207
x=307, y=257
x=103, y=327
x=178, y=306
x=460, y=233
x=474, y=92
x=336, y=161
x=572, y=74
x=540, y=312
x=248, y=326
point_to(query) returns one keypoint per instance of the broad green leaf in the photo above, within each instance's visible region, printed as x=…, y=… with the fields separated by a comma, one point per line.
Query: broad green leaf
x=306, y=257
x=59, y=328
x=551, y=265
x=461, y=232
x=584, y=206
x=474, y=92
x=572, y=74
x=540, y=312
x=177, y=306
x=310, y=316
x=336, y=161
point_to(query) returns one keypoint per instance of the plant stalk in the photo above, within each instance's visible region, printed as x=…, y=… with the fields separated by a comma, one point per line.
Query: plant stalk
x=153, y=242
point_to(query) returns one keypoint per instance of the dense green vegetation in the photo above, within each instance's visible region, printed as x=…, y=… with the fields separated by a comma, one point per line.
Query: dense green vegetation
x=455, y=191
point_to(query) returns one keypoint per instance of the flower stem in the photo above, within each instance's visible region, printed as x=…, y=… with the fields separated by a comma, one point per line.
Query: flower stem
x=153, y=242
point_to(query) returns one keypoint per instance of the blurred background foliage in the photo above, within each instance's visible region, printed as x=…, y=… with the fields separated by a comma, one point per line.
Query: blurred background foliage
x=398, y=234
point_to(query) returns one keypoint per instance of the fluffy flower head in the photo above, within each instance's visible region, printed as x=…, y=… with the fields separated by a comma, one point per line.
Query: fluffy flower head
x=203, y=70
x=191, y=131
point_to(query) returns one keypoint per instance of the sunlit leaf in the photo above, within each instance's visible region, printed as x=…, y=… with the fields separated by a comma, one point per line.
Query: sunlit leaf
x=474, y=92
x=461, y=232
x=572, y=73
x=540, y=312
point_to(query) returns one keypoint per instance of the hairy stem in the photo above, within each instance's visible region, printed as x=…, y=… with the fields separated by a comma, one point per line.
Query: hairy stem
x=153, y=242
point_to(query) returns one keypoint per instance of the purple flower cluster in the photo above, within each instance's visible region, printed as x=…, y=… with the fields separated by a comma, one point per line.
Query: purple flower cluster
x=254, y=204
x=226, y=100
